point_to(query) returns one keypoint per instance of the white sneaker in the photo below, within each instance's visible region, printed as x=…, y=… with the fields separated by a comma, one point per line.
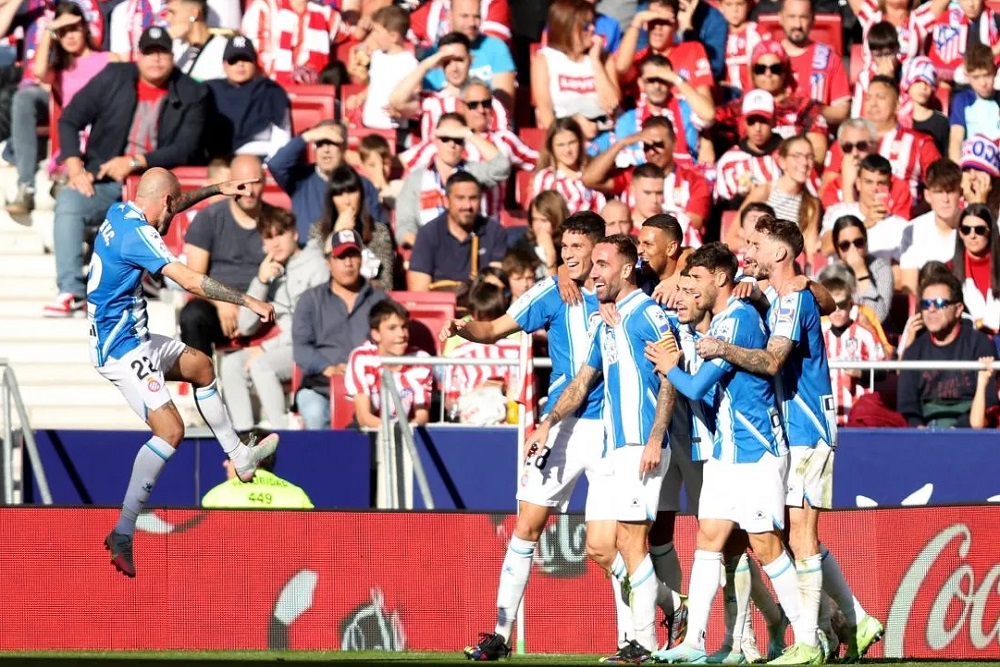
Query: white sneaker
x=65, y=305
x=258, y=452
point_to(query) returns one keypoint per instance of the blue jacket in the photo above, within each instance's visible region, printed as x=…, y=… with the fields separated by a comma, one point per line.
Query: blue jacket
x=711, y=29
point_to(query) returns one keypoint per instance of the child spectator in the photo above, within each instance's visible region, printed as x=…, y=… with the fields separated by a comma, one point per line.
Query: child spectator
x=546, y=214
x=883, y=45
x=743, y=38
x=918, y=84
x=847, y=340
x=911, y=27
x=523, y=268
x=977, y=109
x=390, y=63
x=964, y=25
x=376, y=165
x=389, y=337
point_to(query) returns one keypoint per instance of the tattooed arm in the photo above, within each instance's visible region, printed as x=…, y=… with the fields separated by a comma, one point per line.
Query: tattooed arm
x=234, y=188
x=653, y=450
x=571, y=399
x=761, y=362
x=210, y=288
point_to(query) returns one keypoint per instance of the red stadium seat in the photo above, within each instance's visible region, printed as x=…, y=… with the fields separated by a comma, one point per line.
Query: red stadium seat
x=428, y=313
x=310, y=105
x=514, y=218
x=356, y=134
x=341, y=405
x=534, y=137
x=728, y=219
x=857, y=62
x=350, y=119
x=522, y=185
x=827, y=29
x=55, y=111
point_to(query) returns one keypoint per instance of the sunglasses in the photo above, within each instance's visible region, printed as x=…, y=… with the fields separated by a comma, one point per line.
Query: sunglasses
x=238, y=59
x=844, y=305
x=654, y=145
x=862, y=146
x=935, y=304
x=753, y=120
x=974, y=230
x=326, y=142
x=452, y=140
x=486, y=104
x=777, y=69
x=656, y=81
x=846, y=244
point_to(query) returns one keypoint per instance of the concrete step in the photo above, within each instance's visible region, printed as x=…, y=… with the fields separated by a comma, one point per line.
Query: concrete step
x=35, y=288
x=23, y=308
x=85, y=417
x=18, y=240
x=43, y=374
x=67, y=329
x=33, y=266
x=24, y=353
x=100, y=395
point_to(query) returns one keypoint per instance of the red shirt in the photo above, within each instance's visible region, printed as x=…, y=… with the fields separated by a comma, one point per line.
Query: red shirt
x=980, y=270
x=689, y=60
x=900, y=199
x=364, y=377
x=950, y=36
x=909, y=152
x=819, y=74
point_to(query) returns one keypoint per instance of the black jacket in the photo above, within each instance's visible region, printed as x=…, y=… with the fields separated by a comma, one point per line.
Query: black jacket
x=108, y=104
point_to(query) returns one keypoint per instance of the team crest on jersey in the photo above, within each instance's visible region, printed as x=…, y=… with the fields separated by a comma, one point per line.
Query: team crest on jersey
x=153, y=384
x=661, y=322
x=724, y=331
x=786, y=310
x=609, y=347
x=594, y=322
x=944, y=34
x=851, y=346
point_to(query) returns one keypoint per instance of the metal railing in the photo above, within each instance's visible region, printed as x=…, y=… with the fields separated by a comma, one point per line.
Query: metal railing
x=10, y=394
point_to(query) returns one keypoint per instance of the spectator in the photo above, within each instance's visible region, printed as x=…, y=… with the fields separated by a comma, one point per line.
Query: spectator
x=129, y=20
x=684, y=191
x=873, y=275
x=546, y=214
x=143, y=114
x=975, y=110
x=389, y=336
x=606, y=29
x=795, y=112
x=266, y=491
x=956, y=30
x=523, y=269
x=976, y=266
x=343, y=210
x=377, y=162
x=284, y=274
x=252, y=113
x=491, y=59
x=985, y=384
x=223, y=243
x=433, y=19
x=306, y=184
x=789, y=195
x=331, y=320
x=912, y=24
x=884, y=230
x=883, y=45
x=422, y=197
x=738, y=234
x=197, y=51
x=570, y=76
x=660, y=256
x=216, y=172
x=942, y=398
x=918, y=85
x=617, y=218
x=646, y=194
x=847, y=340
x=817, y=68
x=856, y=139
x=750, y=162
x=687, y=58
x=981, y=172
x=932, y=236
x=453, y=247
x=702, y=23
x=666, y=93
x=294, y=37
x=64, y=57
x=742, y=39
x=390, y=62
x=561, y=165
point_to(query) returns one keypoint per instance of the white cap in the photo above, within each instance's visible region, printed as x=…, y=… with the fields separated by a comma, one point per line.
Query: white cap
x=758, y=102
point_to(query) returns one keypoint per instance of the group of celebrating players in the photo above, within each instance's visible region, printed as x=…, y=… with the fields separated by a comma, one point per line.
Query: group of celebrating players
x=736, y=377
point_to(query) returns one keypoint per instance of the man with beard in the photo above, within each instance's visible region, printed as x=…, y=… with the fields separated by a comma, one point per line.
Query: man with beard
x=818, y=70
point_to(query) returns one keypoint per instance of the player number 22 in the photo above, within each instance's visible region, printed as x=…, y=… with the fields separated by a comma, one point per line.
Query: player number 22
x=143, y=368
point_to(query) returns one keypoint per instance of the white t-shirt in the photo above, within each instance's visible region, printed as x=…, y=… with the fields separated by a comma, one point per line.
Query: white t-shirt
x=572, y=85
x=884, y=239
x=384, y=74
x=923, y=242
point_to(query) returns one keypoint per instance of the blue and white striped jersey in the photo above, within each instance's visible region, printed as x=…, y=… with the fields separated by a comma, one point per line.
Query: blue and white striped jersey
x=698, y=415
x=125, y=246
x=631, y=383
x=803, y=385
x=570, y=330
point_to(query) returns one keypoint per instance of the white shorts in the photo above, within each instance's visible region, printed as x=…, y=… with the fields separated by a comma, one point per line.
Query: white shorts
x=636, y=498
x=139, y=374
x=548, y=478
x=681, y=472
x=751, y=495
x=810, y=476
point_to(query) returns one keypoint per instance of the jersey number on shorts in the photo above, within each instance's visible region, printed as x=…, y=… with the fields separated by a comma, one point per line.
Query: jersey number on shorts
x=143, y=368
x=542, y=459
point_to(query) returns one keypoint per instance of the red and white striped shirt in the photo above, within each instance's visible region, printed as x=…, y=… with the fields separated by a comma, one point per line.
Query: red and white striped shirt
x=909, y=152
x=433, y=202
x=856, y=343
x=819, y=74
x=577, y=195
x=912, y=34
x=739, y=47
x=294, y=48
x=462, y=380
x=737, y=170
x=432, y=21
x=950, y=33
x=434, y=104
x=685, y=191
x=364, y=377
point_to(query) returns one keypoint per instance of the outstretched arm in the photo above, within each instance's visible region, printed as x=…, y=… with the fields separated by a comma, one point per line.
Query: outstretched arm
x=761, y=362
x=234, y=188
x=210, y=288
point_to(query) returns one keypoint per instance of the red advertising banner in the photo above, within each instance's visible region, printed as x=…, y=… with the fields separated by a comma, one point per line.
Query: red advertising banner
x=427, y=581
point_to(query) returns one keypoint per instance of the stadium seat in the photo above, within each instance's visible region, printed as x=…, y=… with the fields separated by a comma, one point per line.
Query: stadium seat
x=516, y=218
x=522, y=186
x=534, y=137
x=310, y=105
x=857, y=62
x=355, y=134
x=728, y=218
x=347, y=90
x=428, y=313
x=827, y=29
x=341, y=405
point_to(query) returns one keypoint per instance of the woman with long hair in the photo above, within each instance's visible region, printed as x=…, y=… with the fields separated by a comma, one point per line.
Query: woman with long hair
x=560, y=167
x=873, y=275
x=344, y=209
x=66, y=58
x=789, y=196
x=976, y=264
x=546, y=214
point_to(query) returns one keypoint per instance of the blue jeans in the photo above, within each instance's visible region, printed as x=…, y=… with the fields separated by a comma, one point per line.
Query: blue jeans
x=314, y=408
x=29, y=108
x=75, y=211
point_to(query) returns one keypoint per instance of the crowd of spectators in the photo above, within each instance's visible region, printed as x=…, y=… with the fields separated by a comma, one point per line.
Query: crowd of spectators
x=464, y=137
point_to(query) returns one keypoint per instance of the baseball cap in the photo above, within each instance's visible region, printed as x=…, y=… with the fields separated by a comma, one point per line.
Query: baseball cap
x=153, y=38
x=758, y=102
x=980, y=153
x=239, y=48
x=918, y=68
x=340, y=242
x=771, y=47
